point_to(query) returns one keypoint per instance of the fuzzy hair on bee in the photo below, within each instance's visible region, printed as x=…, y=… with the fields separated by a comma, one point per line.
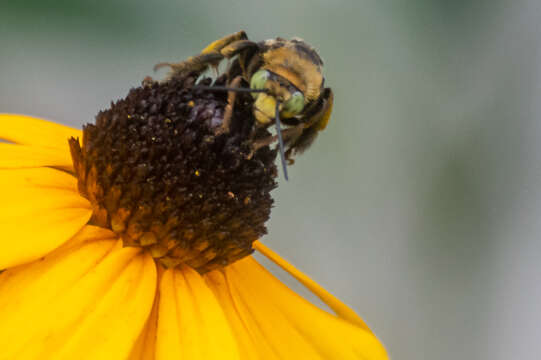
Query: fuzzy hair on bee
x=285, y=78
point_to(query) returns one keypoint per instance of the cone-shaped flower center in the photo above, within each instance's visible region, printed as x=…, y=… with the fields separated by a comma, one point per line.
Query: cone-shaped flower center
x=157, y=174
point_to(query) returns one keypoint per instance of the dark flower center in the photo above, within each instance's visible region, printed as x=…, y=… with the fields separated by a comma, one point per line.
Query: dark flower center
x=158, y=176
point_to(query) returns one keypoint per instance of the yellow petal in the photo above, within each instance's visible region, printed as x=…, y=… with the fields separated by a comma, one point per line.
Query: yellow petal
x=41, y=209
x=191, y=323
x=341, y=309
x=251, y=342
x=145, y=346
x=274, y=334
x=88, y=301
x=86, y=234
x=292, y=326
x=25, y=156
x=22, y=129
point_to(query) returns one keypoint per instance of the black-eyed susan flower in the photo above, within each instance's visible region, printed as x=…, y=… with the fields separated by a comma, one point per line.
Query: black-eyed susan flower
x=132, y=238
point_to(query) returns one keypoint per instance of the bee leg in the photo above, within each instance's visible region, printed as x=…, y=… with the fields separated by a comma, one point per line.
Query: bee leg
x=218, y=45
x=228, y=114
x=288, y=155
x=241, y=48
x=210, y=55
x=221, y=46
x=288, y=135
x=196, y=64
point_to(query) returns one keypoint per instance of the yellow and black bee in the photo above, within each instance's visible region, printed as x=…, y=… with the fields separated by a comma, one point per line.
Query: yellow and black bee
x=284, y=76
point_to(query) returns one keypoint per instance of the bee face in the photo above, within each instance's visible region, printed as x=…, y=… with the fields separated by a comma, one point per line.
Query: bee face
x=291, y=72
x=291, y=100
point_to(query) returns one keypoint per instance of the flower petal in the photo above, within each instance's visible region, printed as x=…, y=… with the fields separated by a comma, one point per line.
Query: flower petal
x=291, y=326
x=27, y=130
x=25, y=156
x=86, y=234
x=41, y=209
x=145, y=346
x=272, y=332
x=88, y=301
x=341, y=309
x=251, y=342
x=191, y=323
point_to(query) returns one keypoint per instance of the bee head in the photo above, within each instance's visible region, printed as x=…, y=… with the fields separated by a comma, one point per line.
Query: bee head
x=291, y=75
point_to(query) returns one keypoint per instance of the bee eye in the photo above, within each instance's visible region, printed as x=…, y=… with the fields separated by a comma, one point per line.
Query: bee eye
x=295, y=104
x=259, y=79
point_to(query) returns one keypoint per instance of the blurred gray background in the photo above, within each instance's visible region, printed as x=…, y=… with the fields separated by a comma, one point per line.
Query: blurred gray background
x=419, y=205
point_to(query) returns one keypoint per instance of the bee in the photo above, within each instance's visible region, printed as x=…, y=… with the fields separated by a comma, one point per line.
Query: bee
x=285, y=78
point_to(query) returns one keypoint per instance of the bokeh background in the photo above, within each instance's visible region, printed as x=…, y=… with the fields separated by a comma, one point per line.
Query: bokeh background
x=419, y=205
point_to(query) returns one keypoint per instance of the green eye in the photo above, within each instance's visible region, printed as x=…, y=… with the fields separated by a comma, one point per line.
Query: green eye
x=295, y=104
x=259, y=79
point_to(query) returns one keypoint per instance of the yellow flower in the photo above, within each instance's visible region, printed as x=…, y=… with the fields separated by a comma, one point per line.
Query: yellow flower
x=70, y=290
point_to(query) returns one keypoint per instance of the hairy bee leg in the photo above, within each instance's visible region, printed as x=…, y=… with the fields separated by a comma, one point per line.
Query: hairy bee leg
x=289, y=160
x=288, y=135
x=196, y=64
x=230, y=51
x=237, y=48
x=209, y=56
x=218, y=45
x=228, y=114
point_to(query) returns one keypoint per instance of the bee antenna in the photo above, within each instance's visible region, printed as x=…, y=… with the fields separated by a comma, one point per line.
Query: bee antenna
x=280, y=140
x=225, y=88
